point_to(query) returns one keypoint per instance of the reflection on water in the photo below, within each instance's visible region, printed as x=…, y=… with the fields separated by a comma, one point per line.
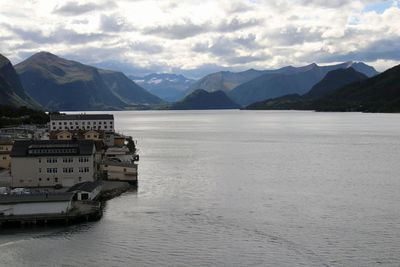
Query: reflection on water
x=238, y=188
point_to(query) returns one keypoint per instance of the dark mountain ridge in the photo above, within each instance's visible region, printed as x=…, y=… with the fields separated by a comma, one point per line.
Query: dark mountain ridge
x=61, y=84
x=11, y=91
x=201, y=99
x=380, y=93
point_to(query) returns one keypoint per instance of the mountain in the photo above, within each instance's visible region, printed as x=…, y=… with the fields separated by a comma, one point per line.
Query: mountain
x=224, y=80
x=61, y=84
x=380, y=93
x=127, y=90
x=169, y=87
x=11, y=91
x=288, y=80
x=201, y=99
x=334, y=80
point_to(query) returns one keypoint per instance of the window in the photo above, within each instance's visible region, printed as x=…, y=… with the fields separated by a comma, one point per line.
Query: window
x=53, y=123
x=54, y=128
x=70, y=123
x=40, y=179
x=68, y=160
x=40, y=160
x=56, y=180
x=99, y=122
x=83, y=122
x=105, y=126
x=85, y=196
x=59, y=123
x=51, y=170
x=83, y=169
x=51, y=160
x=68, y=170
x=83, y=159
x=65, y=123
x=76, y=123
x=40, y=170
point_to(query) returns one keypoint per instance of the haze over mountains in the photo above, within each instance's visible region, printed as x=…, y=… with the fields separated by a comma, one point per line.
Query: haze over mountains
x=54, y=83
x=167, y=86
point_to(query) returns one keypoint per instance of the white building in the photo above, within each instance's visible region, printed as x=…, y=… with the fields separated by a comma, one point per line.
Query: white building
x=51, y=162
x=63, y=122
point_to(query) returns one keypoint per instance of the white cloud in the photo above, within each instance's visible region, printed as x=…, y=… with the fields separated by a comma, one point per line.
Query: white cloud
x=185, y=35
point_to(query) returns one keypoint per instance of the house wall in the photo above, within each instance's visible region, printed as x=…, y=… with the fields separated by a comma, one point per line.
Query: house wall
x=5, y=160
x=43, y=171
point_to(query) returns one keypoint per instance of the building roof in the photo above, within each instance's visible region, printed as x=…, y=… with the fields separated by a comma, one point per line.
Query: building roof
x=63, y=132
x=52, y=148
x=37, y=197
x=81, y=117
x=5, y=142
x=85, y=186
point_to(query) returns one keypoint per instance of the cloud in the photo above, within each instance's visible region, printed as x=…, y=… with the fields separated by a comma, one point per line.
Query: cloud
x=180, y=30
x=58, y=35
x=235, y=24
x=74, y=8
x=112, y=23
x=146, y=47
x=172, y=35
x=188, y=29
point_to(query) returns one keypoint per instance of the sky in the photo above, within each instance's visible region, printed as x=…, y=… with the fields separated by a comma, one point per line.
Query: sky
x=195, y=38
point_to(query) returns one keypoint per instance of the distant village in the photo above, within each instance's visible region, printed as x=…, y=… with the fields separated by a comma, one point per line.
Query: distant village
x=62, y=170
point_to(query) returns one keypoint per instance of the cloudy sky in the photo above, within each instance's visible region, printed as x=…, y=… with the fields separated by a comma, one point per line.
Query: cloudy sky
x=198, y=37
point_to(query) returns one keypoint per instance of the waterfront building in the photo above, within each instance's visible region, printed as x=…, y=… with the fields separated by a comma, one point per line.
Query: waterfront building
x=47, y=163
x=5, y=150
x=120, y=170
x=102, y=122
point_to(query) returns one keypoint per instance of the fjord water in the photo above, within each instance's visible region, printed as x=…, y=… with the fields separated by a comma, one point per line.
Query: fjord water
x=241, y=188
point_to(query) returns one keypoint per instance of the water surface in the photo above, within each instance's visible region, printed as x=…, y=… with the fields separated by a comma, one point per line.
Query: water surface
x=241, y=188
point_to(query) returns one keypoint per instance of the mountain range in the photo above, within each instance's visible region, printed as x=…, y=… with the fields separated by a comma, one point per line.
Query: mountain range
x=288, y=80
x=169, y=87
x=52, y=83
x=345, y=90
x=61, y=84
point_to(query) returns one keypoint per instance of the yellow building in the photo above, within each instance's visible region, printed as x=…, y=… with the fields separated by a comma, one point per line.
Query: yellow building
x=64, y=135
x=5, y=150
x=92, y=135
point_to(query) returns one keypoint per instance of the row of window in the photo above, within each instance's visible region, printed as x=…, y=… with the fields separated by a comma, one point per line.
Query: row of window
x=65, y=160
x=83, y=123
x=65, y=170
x=78, y=128
x=51, y=151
